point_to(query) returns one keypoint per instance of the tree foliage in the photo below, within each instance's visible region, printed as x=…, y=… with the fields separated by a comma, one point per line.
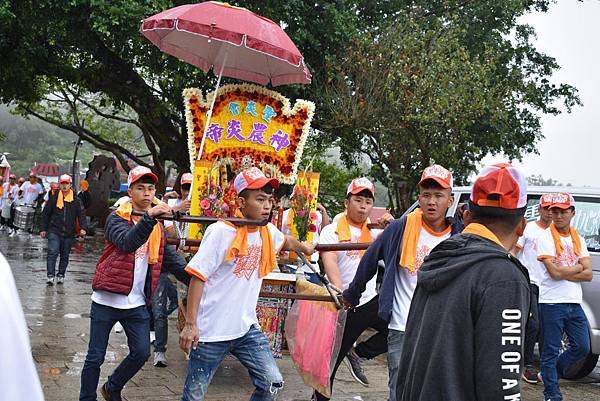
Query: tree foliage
x=446, y=85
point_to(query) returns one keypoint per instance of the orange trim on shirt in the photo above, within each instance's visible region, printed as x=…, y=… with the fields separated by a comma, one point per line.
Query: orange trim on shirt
x=434, y=233
x=540, y=225
x=482, y=231
x=193, y=272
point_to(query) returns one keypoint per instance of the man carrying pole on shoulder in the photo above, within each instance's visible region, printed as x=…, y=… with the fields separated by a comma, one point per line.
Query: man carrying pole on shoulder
x=403, y=246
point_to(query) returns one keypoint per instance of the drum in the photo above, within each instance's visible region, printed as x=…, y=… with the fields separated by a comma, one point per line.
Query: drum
x=24, y=217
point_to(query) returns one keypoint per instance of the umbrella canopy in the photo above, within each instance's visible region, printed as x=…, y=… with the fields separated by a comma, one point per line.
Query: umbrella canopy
x=230, y=39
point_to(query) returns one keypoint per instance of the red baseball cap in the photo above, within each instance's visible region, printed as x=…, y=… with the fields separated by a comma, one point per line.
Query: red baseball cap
x=65, y=178
x=186, y=178
x=360, y=184
x=12, y=177
x=54, y=185
x=562, y=200
x=500, y=185
x=253, y=178
x=546, y=200
x=439, y=174
x=139, y=172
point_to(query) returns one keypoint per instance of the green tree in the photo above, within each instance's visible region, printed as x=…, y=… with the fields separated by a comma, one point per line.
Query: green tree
x=439, y=86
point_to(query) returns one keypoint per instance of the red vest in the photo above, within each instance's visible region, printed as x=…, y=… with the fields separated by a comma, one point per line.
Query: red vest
x=114, y=271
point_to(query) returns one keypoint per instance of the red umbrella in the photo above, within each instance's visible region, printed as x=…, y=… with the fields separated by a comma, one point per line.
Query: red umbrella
x=234, y=40
x=230, y=39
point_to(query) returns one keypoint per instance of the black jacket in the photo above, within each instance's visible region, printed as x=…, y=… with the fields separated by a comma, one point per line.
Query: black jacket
x=62, y=221
x=466, y=324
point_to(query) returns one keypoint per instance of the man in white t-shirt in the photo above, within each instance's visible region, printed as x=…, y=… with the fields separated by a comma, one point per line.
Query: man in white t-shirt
x=10, y=192
x=322, y=220
x=340, y=267
x=30, y=190
x=19, y=379
x=527, y=252
x=126, y=276
x=566, y=258
x=164, y=301
x=403, y=246
x=227, y=273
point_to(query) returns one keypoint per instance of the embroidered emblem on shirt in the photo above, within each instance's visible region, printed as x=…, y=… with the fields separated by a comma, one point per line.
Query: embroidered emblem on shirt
x=141, y=252
x=422, y=253
x=246, y=265
x=568, y=257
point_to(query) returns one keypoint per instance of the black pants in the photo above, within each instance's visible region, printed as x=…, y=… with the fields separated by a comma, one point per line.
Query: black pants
x=357, y=321
x=532, y=330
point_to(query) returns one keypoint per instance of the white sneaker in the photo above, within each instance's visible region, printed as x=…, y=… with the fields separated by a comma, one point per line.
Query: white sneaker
x=160, y=360
x=50, y=281
x=2, y=228
x=60, y=279
x=118, y=328
x=12, y=233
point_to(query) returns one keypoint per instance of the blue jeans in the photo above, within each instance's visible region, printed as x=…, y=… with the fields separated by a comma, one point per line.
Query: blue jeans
x=252, y=350
x=557, y=319
x=395, y=343
x=164, y=302
x=136, y=324
x=58, y=245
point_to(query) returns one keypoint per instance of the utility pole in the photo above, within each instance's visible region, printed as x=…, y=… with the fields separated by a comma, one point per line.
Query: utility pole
x=77, y=145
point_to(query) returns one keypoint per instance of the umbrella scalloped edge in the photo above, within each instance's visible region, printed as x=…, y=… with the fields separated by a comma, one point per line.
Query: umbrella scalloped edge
x=241, y=153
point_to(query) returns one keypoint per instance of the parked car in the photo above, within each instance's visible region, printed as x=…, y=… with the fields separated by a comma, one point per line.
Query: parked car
x=587, y=223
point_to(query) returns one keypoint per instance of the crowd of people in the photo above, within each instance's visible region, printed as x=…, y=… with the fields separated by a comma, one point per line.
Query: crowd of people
x=460, y=304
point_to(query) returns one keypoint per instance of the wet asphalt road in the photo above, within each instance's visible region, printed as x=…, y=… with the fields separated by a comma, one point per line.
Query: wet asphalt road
x=58, y=320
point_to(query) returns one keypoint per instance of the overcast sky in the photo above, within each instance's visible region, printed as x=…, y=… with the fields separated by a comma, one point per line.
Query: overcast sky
x=570, y=151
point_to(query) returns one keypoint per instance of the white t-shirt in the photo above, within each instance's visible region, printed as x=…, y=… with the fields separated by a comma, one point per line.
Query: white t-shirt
x=136, y=296
x=560, y=291
x=7, y=191
x=30, y=192
x=169, y=223
x=315, y=240
x=528, y=252
x=348, y=260
x=406, y=282
x=228, y=306
x=19, y=379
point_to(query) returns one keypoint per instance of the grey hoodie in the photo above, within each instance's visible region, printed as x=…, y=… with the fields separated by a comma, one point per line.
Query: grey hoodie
x=466, y=324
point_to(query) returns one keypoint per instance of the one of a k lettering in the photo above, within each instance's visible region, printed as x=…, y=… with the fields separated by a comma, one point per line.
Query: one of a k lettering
x=511, y=337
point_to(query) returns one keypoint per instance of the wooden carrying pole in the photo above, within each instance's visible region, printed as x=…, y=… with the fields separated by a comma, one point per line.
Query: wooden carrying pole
x=358, y=246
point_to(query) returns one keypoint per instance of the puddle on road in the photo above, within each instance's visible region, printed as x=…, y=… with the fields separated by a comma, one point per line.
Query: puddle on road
x=79, y=357
x=76, y=315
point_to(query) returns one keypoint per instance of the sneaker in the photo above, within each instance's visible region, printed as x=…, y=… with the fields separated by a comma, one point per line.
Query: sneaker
x=354, y=363
x=110, y=395
x=530, y=375
x=2, y=228
x=118, y=328
x=50, y=281
x=160, y=360
x=13, y=232
x=60, y=279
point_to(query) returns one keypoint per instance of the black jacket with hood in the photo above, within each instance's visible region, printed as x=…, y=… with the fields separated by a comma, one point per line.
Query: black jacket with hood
x=466, y=324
